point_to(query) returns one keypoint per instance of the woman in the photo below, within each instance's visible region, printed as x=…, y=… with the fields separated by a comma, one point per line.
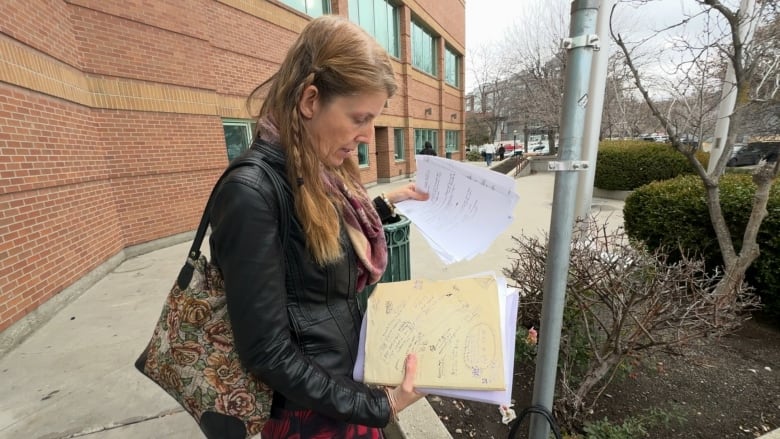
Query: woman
x=294, y=307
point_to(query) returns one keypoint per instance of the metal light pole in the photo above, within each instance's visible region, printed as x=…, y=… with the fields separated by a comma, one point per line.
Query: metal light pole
x=729, y=92
x=590, y=143
x=525, y=137
x=580, y=44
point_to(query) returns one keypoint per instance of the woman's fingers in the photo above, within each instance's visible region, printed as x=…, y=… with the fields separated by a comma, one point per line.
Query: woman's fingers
x=409, y=192
x=404, y=395
x=410, y=371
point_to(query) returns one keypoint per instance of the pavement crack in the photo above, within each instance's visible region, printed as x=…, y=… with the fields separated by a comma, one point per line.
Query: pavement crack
x=111, y=426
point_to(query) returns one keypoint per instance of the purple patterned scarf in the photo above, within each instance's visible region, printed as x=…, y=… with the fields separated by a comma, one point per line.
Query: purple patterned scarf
x=363, y=227
x=360, y=218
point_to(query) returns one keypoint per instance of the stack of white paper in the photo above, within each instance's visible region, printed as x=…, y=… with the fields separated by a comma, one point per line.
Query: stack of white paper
x=467, y=210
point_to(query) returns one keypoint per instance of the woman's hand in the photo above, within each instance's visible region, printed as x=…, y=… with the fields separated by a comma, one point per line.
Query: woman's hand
x=404, y=395
x=406, y=192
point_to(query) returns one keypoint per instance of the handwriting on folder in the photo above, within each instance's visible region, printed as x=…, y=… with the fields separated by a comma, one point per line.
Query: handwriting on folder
x=452, y=326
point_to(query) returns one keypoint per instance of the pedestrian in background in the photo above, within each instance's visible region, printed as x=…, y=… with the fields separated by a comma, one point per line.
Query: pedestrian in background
x=501, y=152
x=428, y=149
x=490, y=150
x=294, y=308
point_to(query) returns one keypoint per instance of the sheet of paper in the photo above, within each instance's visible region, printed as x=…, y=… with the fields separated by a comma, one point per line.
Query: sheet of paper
x=453, y=326
x=467, y=210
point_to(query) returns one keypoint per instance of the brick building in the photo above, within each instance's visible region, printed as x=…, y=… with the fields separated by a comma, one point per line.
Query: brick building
x=117, y=116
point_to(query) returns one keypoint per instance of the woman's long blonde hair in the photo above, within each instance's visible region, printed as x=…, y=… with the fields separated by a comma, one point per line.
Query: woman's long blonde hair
x=340, y=59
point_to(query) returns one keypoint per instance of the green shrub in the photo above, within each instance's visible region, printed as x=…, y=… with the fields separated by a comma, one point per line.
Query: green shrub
x=674, y=214
x=634, y=426
x=474, y=156
x=627, y=164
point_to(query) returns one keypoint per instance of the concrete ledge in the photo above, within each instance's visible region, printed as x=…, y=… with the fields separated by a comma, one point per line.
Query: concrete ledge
x=539, y=163
x=774, y=434
x=611, y=195
x=418, y=421
x=525, y=170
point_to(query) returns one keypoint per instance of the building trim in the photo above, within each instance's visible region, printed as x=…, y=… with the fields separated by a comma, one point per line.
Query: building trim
x=35, y=71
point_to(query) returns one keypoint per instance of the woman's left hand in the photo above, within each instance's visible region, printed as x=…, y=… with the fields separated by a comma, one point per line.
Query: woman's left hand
x=406, y=192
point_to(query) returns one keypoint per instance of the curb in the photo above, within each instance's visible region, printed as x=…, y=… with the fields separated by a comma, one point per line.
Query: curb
x=774, y=434
x=418, y=421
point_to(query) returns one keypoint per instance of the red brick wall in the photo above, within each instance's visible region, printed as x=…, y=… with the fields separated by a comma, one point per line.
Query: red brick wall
x=87, y=168
x=118, y=47
x=43, y=25
x=450, y=16
x=161, y=167
x=191, y=18
x=58, y=215
x=242, y=59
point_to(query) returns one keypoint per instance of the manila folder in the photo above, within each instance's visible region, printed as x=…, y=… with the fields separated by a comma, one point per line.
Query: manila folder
x=452, y=326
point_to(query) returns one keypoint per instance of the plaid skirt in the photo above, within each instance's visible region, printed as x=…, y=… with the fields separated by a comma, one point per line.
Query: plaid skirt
x=307, y=424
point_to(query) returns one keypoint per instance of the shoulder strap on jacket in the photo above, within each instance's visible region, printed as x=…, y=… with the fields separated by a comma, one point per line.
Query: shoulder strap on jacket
x=185, y=275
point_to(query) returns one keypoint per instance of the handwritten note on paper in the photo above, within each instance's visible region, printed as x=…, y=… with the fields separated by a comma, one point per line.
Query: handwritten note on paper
x=453, y=326
x=468, y=207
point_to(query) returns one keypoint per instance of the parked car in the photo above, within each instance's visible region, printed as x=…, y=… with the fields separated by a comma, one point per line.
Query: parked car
x=752, y=153
x=543, y=148
x=658, y=138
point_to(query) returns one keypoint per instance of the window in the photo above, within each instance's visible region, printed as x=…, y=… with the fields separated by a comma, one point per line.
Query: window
x=451, y=140
x=422, y=135
x=238, y=136
x=380, y=19
x=451, y=68
x=423, y=50
x=398, y=135
x=362, y=155
x=312, y=8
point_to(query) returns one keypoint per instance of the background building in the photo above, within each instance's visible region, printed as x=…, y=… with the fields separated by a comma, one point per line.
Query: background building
x=117, y=116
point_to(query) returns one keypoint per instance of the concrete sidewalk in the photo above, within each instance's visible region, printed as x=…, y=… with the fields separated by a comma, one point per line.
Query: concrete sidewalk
x=74, y=376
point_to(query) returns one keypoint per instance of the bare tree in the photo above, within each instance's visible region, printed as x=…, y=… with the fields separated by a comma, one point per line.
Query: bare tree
x=535, y=50
x=621, y=301
x=746, y=64
x=491, y=98
x=624, y=115
x=766, y=81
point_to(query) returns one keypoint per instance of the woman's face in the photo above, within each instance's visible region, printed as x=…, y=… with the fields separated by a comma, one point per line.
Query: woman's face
x=337, y=127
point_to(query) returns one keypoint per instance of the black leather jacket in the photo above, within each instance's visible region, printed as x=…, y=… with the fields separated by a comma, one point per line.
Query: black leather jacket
x=296, y=323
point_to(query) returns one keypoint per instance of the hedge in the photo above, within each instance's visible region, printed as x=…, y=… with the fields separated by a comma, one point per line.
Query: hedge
x=624, y=165
x=674, y=213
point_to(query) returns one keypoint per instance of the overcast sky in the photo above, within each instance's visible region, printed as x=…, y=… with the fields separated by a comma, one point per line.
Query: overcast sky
x=487, y=21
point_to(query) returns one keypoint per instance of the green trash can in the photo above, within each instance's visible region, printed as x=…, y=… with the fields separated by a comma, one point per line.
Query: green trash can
x=398, y=262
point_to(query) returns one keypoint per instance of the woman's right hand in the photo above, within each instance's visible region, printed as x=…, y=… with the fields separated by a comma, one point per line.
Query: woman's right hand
x=404, y=395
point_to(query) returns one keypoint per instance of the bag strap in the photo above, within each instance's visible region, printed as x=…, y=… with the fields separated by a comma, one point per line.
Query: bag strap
x=280, y=187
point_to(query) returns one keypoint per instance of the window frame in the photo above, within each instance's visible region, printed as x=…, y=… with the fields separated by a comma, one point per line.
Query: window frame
x=398, y=136
x=326, y=7
x=455, y=143
x=249, y=126
x=449, y=53
x=392, y=41
x=418, y=30
x=366, y=151
x=423, y=134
